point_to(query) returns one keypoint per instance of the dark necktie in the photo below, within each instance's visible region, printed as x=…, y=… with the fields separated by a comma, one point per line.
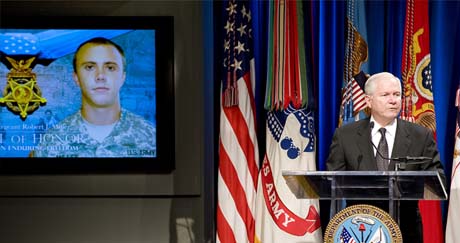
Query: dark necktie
x=382, y=153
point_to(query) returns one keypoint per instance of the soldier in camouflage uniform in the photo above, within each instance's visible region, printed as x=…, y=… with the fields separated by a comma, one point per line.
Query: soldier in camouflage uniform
x=101, y=128
x=131, y=137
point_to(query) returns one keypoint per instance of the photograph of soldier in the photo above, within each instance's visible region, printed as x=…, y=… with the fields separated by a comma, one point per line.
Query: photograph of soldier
x=101, y=127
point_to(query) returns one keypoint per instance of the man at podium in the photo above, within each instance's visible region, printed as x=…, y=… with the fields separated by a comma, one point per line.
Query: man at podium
x=369, y=145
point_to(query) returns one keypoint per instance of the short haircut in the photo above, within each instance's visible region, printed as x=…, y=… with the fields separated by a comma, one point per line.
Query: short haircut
x=369, y=87
x=99, y=41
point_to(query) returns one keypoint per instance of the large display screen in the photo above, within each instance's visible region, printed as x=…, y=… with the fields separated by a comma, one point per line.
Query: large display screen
x=113, y=98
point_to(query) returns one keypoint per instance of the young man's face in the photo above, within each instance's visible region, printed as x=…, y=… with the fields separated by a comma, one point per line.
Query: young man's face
x=100, y=75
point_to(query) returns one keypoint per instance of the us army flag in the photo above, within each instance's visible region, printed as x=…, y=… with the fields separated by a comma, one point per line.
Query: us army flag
x=280, y=216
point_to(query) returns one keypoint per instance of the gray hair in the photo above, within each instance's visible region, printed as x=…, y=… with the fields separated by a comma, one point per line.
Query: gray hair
x=369, y=87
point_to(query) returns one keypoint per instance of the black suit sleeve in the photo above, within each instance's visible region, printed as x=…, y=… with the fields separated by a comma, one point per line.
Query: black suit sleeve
x=336, y=158
x=432, y=152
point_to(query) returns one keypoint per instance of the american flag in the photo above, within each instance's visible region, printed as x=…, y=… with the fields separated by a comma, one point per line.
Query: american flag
x=345, y=237
x=353, y=92
x=238, y=148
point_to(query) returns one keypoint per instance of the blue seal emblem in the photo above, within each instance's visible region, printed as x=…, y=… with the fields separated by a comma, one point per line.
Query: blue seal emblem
x=362, y=224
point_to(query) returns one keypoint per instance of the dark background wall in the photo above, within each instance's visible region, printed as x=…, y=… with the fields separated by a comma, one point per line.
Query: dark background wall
x=116, y=208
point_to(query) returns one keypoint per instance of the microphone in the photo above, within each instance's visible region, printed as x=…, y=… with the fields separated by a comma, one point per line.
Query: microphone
x=411, y=158
x=402, y=161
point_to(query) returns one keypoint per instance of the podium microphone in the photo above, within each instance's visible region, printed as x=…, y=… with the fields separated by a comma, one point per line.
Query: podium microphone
x=402, y=161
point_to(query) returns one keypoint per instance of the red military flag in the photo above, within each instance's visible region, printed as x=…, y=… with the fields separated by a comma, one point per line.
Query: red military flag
x=417, y=102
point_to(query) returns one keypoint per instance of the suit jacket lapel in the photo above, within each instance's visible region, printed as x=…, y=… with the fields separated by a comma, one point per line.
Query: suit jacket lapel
x=401, y=144
x=365, y=146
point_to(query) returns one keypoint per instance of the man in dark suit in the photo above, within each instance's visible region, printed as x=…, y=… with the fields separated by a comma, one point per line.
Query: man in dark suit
x=354, y=146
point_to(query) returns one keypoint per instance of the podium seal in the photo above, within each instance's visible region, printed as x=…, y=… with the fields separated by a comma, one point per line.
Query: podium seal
x=364, y=224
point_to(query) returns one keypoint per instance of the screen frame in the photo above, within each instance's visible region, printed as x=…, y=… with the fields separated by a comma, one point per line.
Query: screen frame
x=165, y=109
